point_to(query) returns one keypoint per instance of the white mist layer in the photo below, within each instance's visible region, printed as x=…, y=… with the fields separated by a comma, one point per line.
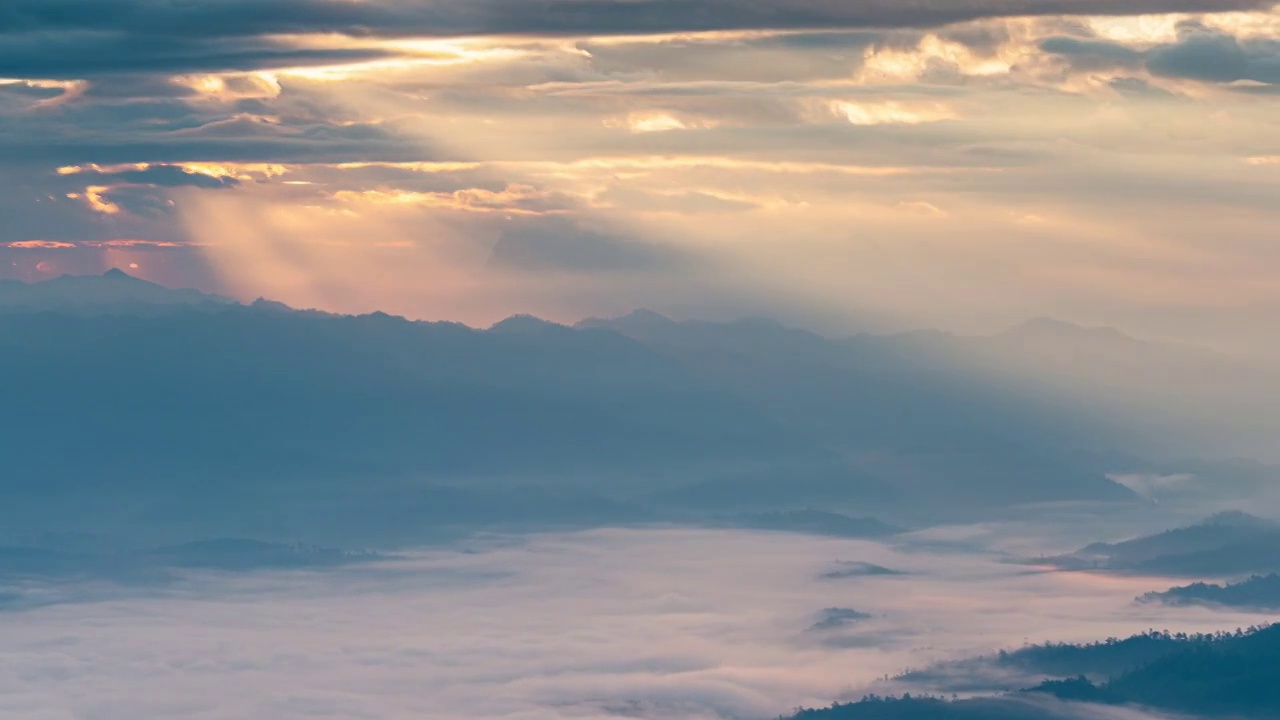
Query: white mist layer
x=659, y=624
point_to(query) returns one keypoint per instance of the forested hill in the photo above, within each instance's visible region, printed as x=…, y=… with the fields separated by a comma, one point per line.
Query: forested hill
x=1234, y=675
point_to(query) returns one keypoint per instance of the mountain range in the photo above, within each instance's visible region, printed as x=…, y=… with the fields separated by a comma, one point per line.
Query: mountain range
x=1258, y=592
x=142, y=407
x=1229, y=543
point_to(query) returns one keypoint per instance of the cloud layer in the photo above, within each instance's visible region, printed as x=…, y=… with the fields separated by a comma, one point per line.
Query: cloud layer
x=868, y=165
x=641, y=623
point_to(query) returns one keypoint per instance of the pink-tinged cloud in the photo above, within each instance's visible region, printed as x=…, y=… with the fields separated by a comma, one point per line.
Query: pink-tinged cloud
x=131, y=243
x=664, y=624
x=39, y=245
x=116, y=243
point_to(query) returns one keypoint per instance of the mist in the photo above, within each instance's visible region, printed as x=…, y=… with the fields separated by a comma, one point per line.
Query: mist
x=653, y=623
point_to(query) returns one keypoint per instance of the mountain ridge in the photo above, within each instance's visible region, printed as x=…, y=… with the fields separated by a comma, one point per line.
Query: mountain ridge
x=112, y=291
x=230, y=413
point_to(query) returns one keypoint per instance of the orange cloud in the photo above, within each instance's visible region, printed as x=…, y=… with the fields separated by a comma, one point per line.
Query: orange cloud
x=515, y=199
x=890, y=112
x=94, y=195
x=39, y=245
x=113, y=244
x=131, y=243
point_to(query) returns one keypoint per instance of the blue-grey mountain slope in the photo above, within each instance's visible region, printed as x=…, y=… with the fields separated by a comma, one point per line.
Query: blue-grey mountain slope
x=185, y=417
x=1225, y=544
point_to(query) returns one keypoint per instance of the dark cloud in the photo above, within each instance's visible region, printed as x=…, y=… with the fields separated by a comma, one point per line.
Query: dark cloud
x=127, y=119
x=1213, y=58
x=1200, y=53
x=139, y=200
x=788, y=57
x=1137, y=87
x=43, y=205
x=159, y=176
x=1210, y=56
x=135, y=87
x=239, y=18
x=983, y=39
x=835, y=618
x=26, y=91
x=817, y=40
x=83, y=53
x=563, y=244
x=1091, y=54
x=101, y=137
x=75, y=38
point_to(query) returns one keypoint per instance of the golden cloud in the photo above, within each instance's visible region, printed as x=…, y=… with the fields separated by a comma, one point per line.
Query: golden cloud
x=39, y=245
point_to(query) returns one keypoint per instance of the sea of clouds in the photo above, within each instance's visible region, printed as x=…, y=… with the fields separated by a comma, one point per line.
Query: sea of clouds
x=657, y=623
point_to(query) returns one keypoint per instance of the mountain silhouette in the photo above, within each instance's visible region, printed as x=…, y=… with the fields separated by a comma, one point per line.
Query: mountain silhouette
x=1223, y=544
x=111, y=292
x=1258, y=592
x=178, y=412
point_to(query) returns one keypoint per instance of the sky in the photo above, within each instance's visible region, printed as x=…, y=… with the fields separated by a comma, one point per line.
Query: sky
x=661, y=624
x=850, y=165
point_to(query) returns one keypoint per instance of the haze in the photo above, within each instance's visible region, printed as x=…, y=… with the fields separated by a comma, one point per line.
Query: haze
x=649, y=359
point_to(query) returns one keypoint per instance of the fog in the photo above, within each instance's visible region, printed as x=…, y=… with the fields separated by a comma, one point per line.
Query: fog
x=652, y=623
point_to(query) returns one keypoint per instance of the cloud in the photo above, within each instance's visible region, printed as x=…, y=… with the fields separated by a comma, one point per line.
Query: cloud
x=1154, y=486
x=190, y=138
x=1211, y=56
x=661, y=624
x=552, y=244
x=889, y=112
x=30, y=90
x=511, y=200
x=685, y=201
x=805, y=153
x=93, y=53
x=837, y=618
x=38, y=245
x=153, y=175
x=1086, y=55
x=1201, y=53
x=230, y=19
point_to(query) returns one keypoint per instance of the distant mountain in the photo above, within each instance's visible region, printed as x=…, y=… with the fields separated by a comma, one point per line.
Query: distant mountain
x=1184, y=399
x=854, y=569
x=1193, y=480
x=174, y=412
x=273, y=419
x=1163, y=402
x=1174, y=399
x=1050, y=338
x=527, y=324
x=900, y=416
x=1009, y=670
x=1225, y=544
x=112, y=292
x=1259, y=592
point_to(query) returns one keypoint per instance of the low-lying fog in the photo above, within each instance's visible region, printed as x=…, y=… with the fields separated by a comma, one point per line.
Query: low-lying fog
x=651, y=623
